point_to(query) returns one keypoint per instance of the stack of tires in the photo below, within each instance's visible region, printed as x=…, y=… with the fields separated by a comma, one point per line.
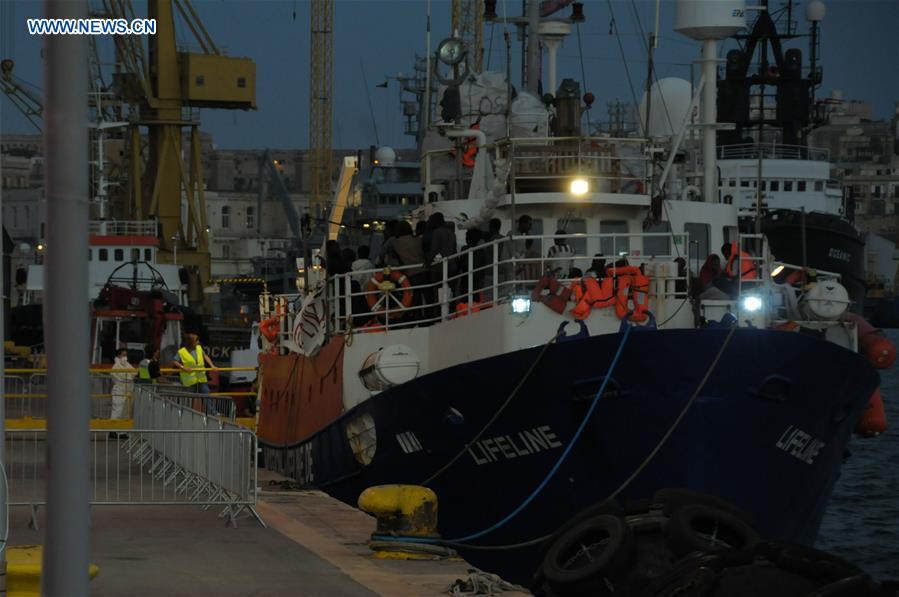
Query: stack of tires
x=686, y=544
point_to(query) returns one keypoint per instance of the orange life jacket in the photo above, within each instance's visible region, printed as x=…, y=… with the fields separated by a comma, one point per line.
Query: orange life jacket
x=747, y=267
x=594, y=294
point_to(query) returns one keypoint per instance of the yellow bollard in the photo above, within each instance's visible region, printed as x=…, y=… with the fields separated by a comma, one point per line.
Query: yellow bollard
x=404, y=511
x=23, y=571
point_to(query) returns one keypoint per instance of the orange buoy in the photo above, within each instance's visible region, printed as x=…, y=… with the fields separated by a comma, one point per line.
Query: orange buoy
x=874, y=419
x=876, y=347
x=879, y=350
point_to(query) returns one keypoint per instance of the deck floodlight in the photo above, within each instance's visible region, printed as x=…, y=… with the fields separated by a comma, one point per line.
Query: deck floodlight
x=521, y=305
x=777, y=270
x=579, y=187
x=752, y=303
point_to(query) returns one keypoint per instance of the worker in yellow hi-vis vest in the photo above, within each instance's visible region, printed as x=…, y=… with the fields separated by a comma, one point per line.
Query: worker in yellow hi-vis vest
x=191, y=362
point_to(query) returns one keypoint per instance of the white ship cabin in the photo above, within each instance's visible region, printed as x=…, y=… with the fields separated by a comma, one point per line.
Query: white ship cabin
x=113, y=247
x=480, y=302
x=793, y=177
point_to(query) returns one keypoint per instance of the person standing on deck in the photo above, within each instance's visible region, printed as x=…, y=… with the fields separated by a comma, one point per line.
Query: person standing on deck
x=122, y=384
x=191, y=361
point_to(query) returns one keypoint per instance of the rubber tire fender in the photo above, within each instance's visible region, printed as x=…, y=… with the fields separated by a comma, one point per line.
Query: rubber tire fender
x=673, y=498
x=808, y=561
x=589, y=578
x=684, y=537
x=853, y=586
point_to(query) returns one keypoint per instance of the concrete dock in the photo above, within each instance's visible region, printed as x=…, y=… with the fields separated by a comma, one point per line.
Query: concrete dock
x=314, y=545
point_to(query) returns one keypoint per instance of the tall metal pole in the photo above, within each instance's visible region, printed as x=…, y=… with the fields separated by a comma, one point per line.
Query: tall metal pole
x=533, y=45
x=428, y=57
x=3, y=290
x=709, y=119
x=67, y=547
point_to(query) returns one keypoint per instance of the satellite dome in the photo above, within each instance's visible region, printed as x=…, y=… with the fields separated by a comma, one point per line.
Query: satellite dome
x=815, y=11
x=385, y=156
x=671, y=99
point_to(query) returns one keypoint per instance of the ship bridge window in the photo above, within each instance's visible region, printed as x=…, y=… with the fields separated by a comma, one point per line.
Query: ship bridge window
x=775, y=185
x=118, y=255
x=800, y=186
x=575, y=226
x=699, y=243
x=657, y=245
x=148, y=254
x=616, y=245
x=788, y=186
x=104, y=254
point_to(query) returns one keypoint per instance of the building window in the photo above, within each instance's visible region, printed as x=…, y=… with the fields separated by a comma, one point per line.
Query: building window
x=617, y=245
x=800, y=186
x=148, y=255
x=119, y=255
x=577, y=226
x=251, y=217
x=135, y=254
x=788, y=186
x=744, y=184
x=226, y=217
x=104, y=254
x=200, y=80
x=819, y=186
x=731, y=183
x=226, y=251
x=657, y=246
x=241, y=82
x=775, y=185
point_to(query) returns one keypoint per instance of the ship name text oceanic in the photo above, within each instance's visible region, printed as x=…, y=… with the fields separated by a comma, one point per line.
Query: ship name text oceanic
x=507, y=447
x=798, y=443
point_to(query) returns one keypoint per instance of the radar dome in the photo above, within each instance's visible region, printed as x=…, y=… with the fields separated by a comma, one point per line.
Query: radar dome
x=815, y=11
x=702, y=19
x=671, y=99
x=385, y=156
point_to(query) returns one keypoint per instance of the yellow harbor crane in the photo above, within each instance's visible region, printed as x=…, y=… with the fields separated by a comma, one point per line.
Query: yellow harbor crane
x=163, y=85
x=321, y=26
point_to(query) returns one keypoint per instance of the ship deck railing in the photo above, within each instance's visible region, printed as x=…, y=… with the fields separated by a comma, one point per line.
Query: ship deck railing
x=123, y=227
x=492, y=274
x=773, y=151
x=548, y=164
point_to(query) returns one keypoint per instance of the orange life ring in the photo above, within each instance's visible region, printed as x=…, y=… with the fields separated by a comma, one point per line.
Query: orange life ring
x=270, y=328
x=384, y=283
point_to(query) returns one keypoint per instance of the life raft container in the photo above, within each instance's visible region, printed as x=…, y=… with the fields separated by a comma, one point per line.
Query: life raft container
x=380, y=289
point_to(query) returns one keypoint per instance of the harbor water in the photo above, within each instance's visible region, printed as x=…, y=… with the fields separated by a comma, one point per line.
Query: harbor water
x=862, y=520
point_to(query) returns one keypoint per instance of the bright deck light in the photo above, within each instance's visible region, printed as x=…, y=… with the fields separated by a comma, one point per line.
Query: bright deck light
x=521, y=305
x=580, y=187
x=776, y=271
x=752, y=303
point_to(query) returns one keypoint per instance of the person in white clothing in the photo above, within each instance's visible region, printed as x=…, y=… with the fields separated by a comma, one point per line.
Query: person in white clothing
x=122, y=384
x=362, y=263
x=559, y=256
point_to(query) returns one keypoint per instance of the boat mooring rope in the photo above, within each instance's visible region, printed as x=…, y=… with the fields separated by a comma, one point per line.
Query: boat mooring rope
x=461, y=542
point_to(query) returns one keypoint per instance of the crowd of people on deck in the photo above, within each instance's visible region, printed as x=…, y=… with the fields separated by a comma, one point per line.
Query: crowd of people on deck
x=423, y=252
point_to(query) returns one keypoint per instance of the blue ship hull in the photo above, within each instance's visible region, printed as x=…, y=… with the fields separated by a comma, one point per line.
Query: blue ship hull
x=768, y=432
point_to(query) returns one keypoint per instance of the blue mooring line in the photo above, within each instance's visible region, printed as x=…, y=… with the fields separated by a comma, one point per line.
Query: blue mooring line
x=546, y=479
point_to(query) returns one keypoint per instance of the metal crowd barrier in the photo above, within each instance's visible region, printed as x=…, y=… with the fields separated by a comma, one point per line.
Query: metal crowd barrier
x=174, y=456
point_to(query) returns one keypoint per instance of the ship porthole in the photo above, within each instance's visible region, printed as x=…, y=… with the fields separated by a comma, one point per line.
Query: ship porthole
x=363, y=439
